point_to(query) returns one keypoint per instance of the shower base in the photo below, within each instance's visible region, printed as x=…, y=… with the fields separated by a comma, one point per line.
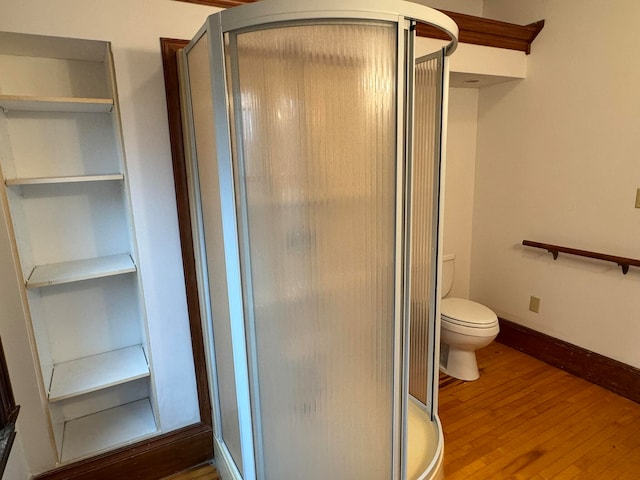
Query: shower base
x=425, y=439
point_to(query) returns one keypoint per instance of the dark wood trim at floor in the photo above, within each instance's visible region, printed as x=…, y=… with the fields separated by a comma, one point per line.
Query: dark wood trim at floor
x=611, y=374
x=147, y=460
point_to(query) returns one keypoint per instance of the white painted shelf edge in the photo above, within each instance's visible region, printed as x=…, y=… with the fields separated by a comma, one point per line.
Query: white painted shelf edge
x=23, y=103
x=60, y=180
x=77, y=270
x=107, y=429
x=89, y=374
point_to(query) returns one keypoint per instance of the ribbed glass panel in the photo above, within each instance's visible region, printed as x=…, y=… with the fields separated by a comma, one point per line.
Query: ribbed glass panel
x=426, y=141
x=205, y=143
x=318, y=139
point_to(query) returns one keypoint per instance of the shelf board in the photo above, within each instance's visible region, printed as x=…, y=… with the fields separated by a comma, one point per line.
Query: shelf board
x=60, y=180
x=107, y=429
x=78, y=270
x=55, y=104
x=97, y=372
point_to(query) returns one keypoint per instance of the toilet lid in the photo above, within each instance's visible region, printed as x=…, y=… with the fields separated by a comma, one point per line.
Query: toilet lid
x=467, y=312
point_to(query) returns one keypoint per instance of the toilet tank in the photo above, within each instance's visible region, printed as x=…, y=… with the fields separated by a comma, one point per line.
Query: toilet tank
x=448, y=271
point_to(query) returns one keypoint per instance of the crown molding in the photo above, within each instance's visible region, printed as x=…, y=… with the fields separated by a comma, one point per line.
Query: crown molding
x=473, y=30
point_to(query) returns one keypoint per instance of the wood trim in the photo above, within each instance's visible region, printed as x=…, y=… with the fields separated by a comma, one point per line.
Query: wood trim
x=486, y=32
x=494, y=33
x=169, y=48
x=622, y=262
x=219, y=3
x=611, y=374
x=147, y=460
x=473, y=30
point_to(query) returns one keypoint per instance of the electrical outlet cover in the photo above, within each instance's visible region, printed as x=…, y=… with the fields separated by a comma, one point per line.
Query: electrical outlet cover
x=534, y=304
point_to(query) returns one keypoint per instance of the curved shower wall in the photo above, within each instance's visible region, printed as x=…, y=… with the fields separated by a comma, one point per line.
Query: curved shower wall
x=303, y=182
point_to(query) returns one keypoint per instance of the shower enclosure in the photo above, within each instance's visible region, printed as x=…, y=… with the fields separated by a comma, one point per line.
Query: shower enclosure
x=315, y=145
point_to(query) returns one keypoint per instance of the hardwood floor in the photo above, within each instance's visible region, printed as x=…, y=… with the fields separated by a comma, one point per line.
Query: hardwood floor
x=202, y=472
x=524, y=419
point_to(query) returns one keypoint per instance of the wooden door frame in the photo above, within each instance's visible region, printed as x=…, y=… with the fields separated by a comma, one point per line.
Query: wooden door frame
x=170, y=48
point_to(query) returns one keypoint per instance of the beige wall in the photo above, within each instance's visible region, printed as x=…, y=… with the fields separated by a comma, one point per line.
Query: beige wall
x=557, y=162
x=16, y=468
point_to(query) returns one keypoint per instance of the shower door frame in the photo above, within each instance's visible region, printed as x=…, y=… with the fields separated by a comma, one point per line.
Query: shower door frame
x=437, y=211
x=280, y=13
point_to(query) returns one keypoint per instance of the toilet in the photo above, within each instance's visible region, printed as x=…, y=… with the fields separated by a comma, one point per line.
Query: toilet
x=465, y=327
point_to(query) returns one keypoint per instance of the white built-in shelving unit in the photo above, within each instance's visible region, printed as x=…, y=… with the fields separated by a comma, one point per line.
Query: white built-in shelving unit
x=67, y=192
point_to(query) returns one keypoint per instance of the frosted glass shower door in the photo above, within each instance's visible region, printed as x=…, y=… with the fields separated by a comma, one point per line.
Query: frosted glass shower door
x=214, y=290
x=314, y=111
x=429, y=102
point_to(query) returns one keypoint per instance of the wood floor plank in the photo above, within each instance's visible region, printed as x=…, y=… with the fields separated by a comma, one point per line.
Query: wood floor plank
x=569, y=473
x=202, y=472
x=610, y=459
x=510, y=408
x=582, y=435
x=524, y=419
x=511, y=434
x=600, y=430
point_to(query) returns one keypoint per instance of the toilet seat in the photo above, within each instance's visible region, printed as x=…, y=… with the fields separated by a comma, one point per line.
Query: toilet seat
x=467, y=313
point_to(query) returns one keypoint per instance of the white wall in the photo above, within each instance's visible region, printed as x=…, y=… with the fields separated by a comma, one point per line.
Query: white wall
x=470, y=7
x=557, y=162
x=490, y=65
x=134, y=28
x=15, y=340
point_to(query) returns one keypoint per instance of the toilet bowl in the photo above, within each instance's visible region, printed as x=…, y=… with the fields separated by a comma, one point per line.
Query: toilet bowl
x=465, y=327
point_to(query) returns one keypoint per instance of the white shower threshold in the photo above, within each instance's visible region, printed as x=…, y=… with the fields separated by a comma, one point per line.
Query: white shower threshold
x=426, y=442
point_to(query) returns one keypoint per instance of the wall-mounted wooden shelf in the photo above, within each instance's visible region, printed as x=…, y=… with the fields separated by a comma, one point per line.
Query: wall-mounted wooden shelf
x=623, y=262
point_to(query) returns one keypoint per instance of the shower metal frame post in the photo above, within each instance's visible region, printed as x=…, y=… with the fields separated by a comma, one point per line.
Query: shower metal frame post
x=268, y=14
x=442, y=87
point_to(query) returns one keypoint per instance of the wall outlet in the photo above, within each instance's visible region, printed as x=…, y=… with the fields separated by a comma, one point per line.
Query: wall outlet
x=534, y=304
x=638, y=198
